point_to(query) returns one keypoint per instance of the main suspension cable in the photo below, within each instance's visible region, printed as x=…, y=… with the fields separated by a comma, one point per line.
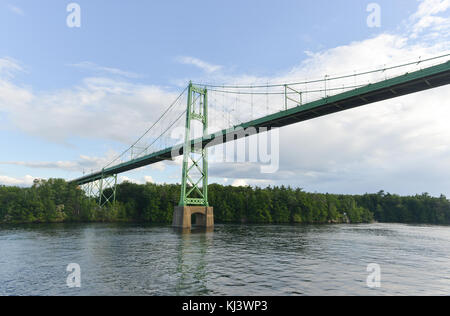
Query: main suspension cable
x=320, y=80
x=148, y=130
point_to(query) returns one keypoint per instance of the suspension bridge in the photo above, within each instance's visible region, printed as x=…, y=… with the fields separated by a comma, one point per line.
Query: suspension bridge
x=229, y=112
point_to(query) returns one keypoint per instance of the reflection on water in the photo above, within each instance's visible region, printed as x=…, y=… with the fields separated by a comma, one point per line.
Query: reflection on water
x=124, y=259
x=191, y=260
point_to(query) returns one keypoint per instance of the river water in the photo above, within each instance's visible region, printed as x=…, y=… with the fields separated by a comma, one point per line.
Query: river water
x=125, y=259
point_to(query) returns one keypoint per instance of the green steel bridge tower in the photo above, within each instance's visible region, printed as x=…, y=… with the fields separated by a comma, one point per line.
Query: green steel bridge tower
x=195, y=158
x=193, y=198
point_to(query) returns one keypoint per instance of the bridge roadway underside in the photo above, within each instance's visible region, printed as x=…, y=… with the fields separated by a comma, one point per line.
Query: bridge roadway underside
x=425, y=79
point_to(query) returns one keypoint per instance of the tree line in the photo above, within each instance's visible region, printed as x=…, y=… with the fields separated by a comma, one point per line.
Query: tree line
x=56, y=200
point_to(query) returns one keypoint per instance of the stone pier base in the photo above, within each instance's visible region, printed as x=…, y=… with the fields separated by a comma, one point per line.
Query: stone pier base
x=182, y=216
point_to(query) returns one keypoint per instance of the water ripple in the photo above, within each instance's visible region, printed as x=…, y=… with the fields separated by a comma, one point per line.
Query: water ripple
x=232, y=260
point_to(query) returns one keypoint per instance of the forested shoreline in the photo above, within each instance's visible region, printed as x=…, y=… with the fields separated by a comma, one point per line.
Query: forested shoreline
x=56, y=201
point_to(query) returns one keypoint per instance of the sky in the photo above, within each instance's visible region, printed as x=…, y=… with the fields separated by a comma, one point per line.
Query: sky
x=72, y=98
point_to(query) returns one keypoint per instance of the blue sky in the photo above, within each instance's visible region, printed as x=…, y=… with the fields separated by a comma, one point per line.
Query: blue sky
x=144, y=37
x=125, y=49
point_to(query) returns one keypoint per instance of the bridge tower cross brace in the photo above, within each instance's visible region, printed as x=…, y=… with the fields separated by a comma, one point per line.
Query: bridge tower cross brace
x=108, y=184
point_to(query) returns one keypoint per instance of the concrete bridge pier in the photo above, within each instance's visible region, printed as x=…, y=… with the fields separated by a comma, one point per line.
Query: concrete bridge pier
x=182, y=216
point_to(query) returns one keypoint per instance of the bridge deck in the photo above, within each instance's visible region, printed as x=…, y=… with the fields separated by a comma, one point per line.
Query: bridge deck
x=425, y=79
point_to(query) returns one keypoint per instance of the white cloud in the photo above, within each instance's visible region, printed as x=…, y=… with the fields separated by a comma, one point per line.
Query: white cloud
x=207, y=67
x=143, y=180
x=123, y=178
x=239, y=183
x=160, y=166
x=98, y=108
x=250, y=182
x=9, y=66
x=84, y=163
x=431, y=7
x=10, y=181
x=104, y=70
x=426, y=17
x=16, y=10
x=148, y=179
x=63, y=165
